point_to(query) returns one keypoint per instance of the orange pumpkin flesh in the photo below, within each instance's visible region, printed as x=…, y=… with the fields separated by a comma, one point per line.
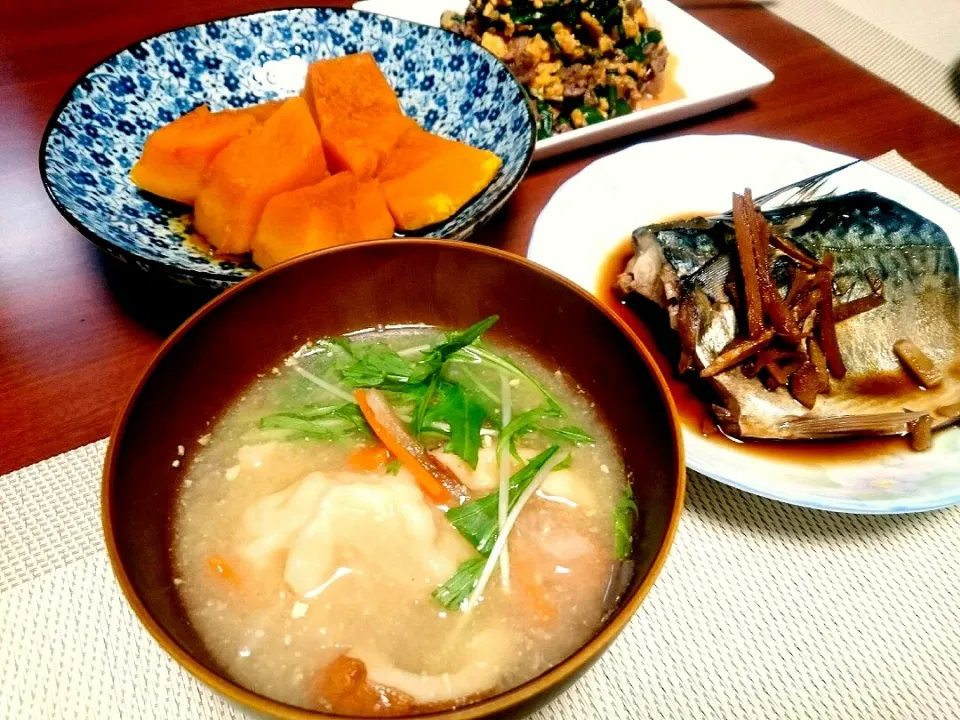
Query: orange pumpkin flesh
x=175, y=156
x=358, y=113
x=234, y=164
x=336, y=211
x=262, y=111
x=427, y=178
x=284, y=153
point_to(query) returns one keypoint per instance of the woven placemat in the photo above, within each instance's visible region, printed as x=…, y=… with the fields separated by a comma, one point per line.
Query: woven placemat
x=763, y=611
x=909, y=68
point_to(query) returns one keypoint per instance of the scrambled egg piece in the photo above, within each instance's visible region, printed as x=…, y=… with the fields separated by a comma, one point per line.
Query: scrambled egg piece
x=602, y=49
x=546, y=83
x=591, y=23
x=495, y=44
x=537, y=49
x=567, y=41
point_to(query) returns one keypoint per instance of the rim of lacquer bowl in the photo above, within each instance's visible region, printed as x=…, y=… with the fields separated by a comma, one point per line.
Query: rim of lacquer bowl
x=503, y=702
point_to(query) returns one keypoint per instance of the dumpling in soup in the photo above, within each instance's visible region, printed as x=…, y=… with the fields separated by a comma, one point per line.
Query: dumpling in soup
x=328, y=526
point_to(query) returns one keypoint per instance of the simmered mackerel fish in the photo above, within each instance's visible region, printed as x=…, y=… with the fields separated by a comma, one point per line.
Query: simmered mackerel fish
x=893, y=276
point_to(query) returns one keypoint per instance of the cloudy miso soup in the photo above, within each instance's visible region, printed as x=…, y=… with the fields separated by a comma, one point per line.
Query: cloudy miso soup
x=399, y=521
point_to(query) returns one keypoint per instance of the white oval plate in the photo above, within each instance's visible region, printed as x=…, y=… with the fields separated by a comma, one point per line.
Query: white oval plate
x=712, y=71
x=592, y=213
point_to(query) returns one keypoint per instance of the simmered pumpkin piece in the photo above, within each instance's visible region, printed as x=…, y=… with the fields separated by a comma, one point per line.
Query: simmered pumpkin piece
x=262, y=111
x=427, y=178
x=176, y=155
x=359, y=145
x=283, y=154
x=336, y=211
x=358, y=113
x=352, y=83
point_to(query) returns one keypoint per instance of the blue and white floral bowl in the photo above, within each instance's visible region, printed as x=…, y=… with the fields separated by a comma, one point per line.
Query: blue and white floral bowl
x=446, y=83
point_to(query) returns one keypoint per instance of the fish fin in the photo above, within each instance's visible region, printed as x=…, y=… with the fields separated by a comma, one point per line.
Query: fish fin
x=728, y=421
x=803, y=190
x=896, y=423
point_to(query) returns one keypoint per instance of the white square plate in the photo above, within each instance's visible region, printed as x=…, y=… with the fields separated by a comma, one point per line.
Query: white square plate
x=711, y=71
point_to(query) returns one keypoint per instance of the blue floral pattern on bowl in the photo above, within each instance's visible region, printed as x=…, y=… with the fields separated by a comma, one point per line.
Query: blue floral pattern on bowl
x=446, y=83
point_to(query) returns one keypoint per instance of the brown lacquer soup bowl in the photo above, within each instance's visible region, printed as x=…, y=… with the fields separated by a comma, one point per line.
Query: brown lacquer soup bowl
x=248, y=330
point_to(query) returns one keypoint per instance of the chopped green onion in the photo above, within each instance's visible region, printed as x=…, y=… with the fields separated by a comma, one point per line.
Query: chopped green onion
x=503, y=465
x=420, y=409
x=635, y=52
x=624, y=518
x=618, y=106
x=451, y=407
x=591, y=115
x=477, y=520
x=457, y=589
x=376, y=365
x=479, y=385
x=411, y=351
x=544, y=120
x=552, y=459
x=466, y=420
x=523, y=423
x=324, y=422
x=570, y=434
x=613, y=16
x=330, y=388
x=477, y=354
x=311, y=412
x=393, y=467
x=458, y=341
x=612, y=98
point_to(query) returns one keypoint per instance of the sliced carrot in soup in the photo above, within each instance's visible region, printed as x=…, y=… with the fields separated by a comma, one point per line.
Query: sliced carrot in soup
x=370, y=458
x=532, y=589
x=221, y=570
x=342, y=687
x=435, y=479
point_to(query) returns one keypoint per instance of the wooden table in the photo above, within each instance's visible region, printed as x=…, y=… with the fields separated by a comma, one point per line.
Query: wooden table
x=76, y=330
